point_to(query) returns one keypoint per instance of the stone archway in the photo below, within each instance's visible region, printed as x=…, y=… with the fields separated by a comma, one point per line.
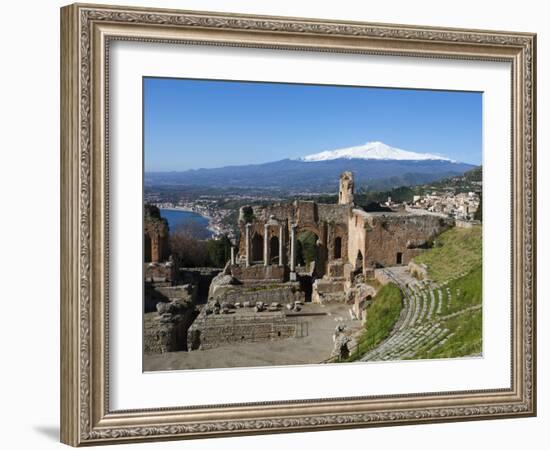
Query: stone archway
x=274, y=249
x=338, y=248
x=309, y=251
x=399, y=258
x=257, y=248
x=359, y=262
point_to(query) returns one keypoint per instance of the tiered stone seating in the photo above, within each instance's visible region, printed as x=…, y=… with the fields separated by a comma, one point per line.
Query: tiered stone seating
x=419, y=328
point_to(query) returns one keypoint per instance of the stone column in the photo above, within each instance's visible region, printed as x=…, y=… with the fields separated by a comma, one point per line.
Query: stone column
x=266, y=244
x=232, y=255
x=247, y=244
x=293, y=247
x=281, y=242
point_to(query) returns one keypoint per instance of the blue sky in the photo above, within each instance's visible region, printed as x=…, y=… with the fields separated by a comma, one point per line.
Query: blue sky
x=190, y=124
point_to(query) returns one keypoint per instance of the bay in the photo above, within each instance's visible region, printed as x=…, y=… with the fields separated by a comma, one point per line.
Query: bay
x=189, y=221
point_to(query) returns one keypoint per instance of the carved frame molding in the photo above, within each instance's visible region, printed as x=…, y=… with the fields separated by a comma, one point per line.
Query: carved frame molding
x=86, y=31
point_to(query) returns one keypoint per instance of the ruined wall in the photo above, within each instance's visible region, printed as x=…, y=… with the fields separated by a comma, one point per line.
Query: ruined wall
x=210, y=331
x=336, y=269
x=326, y=291
x=395, y=238
x=275, y=274
x=167, y=332
x=283, y=293
x=155, y=228
x=419, y=271
x=365, y=240
x=283, y=214
x=328, y=222
x=155, y=293
x=357, y=224
x=345, y=192
x=158, y=272
x=337, y=241
x=337, y=214
x=361, y=296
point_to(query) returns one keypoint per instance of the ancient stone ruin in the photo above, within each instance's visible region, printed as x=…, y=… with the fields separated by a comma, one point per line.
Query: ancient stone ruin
x=349, y=240
x=155, y=235
x=290, y=254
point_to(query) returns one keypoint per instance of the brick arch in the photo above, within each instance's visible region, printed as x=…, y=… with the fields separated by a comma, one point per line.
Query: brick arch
x=311, y=228
x=321, y=251
x=337, y=251
x=257, y=247
x=337, y=242
x=274, y=244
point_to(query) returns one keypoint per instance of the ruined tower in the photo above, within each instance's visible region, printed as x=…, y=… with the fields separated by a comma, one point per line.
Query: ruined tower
x=155, y=235
x=345, y=195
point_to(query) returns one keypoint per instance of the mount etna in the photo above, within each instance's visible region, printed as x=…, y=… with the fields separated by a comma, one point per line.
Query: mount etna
x=375, y=165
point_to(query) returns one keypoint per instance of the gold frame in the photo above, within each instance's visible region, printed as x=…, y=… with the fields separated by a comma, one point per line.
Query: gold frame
x=86, y=31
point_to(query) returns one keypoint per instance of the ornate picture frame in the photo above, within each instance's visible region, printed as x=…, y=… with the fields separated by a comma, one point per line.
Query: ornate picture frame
x=86, y=34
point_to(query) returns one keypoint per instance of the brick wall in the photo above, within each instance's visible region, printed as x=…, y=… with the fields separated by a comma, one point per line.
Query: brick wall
x=389, y=237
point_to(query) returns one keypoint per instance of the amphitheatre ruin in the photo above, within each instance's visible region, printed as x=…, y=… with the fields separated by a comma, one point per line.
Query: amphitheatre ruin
x=272, y=303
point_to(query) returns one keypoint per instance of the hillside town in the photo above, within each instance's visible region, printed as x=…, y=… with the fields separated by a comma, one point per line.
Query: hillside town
x=461, y=206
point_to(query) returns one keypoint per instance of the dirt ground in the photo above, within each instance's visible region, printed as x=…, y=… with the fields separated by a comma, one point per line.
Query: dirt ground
x=313, y=348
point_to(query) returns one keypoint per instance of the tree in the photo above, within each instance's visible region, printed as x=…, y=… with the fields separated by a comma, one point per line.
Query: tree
x=478, y=215
x=193, y=228
x=307, y=247
x=219, y=251
x=187, y=250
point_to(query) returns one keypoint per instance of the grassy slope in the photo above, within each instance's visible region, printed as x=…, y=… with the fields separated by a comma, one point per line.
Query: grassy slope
x=381, y=318
x=455, y=251
x=458, y=252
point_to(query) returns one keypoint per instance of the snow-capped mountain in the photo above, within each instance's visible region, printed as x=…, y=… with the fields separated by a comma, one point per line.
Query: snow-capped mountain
x=372, y=150
x=375, y=166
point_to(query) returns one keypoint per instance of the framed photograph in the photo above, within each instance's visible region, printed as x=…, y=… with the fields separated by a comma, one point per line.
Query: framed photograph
x=277, y=224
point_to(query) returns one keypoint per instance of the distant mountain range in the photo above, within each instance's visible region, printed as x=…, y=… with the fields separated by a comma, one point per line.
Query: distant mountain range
x=375, y=166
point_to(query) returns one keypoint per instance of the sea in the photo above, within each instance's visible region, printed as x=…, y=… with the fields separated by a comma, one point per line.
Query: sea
x=187, y=220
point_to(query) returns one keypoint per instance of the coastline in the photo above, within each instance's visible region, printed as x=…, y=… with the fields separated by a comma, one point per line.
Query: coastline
x=209, y=227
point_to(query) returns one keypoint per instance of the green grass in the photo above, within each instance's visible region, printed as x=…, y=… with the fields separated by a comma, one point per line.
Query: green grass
x=466, y=326
x=382, y=315
x=470, y=290
x=455, y=263
x=465, y=341
x=455, y=251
